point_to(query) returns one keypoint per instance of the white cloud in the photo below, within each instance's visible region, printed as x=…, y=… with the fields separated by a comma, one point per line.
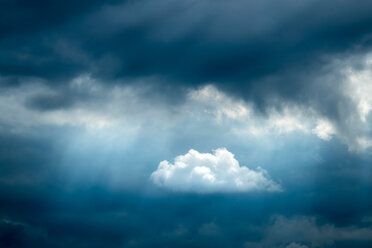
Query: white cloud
x=209, y=173
x=324, y=130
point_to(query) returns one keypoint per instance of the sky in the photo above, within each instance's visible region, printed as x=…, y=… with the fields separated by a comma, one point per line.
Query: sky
x=186, y=123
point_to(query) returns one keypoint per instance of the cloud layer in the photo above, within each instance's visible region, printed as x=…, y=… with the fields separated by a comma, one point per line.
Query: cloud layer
x=94, y=94
x=209, y=173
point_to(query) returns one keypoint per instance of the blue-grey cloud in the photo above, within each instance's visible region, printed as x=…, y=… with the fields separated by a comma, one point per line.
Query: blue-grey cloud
x=94, y=94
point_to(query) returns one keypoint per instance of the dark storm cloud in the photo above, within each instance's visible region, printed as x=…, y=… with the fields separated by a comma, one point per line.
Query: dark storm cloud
x=188, y=41
x=26, y=36
x=258, y=51
x=64, y=186
x=228, y=41
x=24, y=17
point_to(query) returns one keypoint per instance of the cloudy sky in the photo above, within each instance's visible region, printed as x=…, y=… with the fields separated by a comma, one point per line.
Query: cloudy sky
x=186, y=123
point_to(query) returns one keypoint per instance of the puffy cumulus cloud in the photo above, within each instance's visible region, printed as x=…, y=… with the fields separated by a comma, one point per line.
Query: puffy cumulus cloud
x=210, y=173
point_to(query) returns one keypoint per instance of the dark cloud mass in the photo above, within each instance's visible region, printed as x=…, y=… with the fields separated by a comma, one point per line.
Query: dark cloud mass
x=254, y=117
x=191, y=41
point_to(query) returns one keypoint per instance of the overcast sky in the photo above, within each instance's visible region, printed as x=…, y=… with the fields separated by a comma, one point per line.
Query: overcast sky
x=186, y=123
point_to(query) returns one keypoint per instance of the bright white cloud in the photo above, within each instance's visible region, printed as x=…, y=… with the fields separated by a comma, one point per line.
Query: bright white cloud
x=209, y=173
